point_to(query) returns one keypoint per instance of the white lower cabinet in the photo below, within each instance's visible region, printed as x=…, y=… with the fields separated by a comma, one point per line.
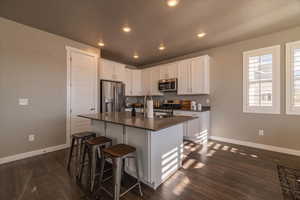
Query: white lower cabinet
x=196, y=130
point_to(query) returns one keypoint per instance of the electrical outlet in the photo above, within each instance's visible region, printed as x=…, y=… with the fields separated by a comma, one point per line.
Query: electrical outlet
x=23, y=102
x=261, y=132
x=31, y=138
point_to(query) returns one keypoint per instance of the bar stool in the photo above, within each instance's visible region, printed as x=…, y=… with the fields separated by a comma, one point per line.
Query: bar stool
x=118, y=153
x=94, y=150
x=79, y=139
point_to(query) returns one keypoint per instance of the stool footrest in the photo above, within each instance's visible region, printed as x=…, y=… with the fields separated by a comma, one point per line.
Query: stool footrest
x=136, y=184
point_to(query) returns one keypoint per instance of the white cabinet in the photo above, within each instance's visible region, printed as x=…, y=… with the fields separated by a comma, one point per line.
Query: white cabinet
x=110, y=70
x=154, y=79
x=119, y=72
x=137, y=89
x=146, y=81
x=150, y=79
x=196, y=130
x=200, y=75
x=128, y=82
x=133, y=82
x=193, y=76
x=106, y=69
x=184, y=86
x=169, y=71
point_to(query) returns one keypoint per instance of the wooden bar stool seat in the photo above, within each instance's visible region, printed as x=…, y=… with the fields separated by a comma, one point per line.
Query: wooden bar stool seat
x=119, y=150
x=99, y=141
x=94, y=149
x=118, y=153
x=79, y=139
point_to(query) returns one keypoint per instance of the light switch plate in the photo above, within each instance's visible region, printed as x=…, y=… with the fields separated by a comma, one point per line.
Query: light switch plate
x=23, y=102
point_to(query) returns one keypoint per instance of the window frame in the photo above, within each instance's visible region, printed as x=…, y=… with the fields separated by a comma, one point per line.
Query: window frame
x=276, y=82
x=290, y=108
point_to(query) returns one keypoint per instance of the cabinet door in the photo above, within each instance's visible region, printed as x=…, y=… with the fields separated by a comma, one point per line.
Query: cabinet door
x=154, y=76
x=193, y=128
x=136, y=82
x=184, y=77
x=128, y=82
x=146, y=81
x=200, y=75
x=164, y=71
x=106, y=69
x=119, y=73
x=173, y=70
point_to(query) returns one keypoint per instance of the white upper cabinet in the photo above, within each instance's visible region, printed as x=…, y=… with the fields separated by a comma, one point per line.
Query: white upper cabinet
x=164, y=71
x=200, y=75
x=119, y=73
x=133, y=82
x=193, y=76
x=110, y=70
x=106, y=69
x=184, y=68
x=168, y=71
x=146, y=81
x=137, y=89
x=150, y=79
x=173, y=70
x=128, y=82
x=154, y=79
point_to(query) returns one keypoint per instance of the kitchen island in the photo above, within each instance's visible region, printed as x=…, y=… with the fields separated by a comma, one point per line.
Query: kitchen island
x=159, y=141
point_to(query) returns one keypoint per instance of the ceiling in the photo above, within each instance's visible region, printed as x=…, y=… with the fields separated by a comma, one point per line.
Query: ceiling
x=153, y=22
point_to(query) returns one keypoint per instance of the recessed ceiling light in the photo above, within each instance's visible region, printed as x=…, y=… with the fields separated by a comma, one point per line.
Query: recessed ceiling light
x=172, y=3
x=101, y=44
x=126, y=29
x=200, y=35
x=135, y=56
x=161, y=47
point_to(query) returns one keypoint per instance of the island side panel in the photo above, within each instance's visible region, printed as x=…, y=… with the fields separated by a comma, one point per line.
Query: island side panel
x=166, y=153
x=139, y=138
x=98, y=127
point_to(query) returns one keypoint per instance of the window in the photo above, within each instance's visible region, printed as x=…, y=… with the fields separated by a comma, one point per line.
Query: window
x=293, y=78
x=261, y=84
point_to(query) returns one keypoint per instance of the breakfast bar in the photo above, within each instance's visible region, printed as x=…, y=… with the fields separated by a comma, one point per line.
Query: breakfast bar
x=159, y=141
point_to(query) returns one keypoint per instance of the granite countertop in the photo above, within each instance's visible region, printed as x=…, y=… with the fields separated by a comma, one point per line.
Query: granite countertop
x=139, y=121
x=204, y=109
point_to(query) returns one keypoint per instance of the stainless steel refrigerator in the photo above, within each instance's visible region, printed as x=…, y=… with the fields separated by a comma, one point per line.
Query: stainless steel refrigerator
x=112, y=96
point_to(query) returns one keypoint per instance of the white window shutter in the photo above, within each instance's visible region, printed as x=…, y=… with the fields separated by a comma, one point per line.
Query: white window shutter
x=293, y=78
x=262, y=80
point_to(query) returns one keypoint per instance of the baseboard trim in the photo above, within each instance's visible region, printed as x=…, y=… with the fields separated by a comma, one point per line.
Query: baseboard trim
x=258, y=146
x=31, y=153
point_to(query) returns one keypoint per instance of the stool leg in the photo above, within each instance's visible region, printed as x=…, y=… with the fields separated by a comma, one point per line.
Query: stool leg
x=102, y=165
x=138, y=174
x=79, y=159
x=93, y=167
x=70, y=154
x=117, y=165
x=85, y=151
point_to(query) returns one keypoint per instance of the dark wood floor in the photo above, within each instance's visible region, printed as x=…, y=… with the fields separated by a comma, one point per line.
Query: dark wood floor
x=216, y=171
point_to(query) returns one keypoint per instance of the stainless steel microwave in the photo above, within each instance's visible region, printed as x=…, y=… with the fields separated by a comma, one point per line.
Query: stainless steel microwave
x=167, y=85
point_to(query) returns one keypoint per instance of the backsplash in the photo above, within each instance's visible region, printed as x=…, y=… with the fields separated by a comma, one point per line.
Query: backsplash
x=203, y=99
